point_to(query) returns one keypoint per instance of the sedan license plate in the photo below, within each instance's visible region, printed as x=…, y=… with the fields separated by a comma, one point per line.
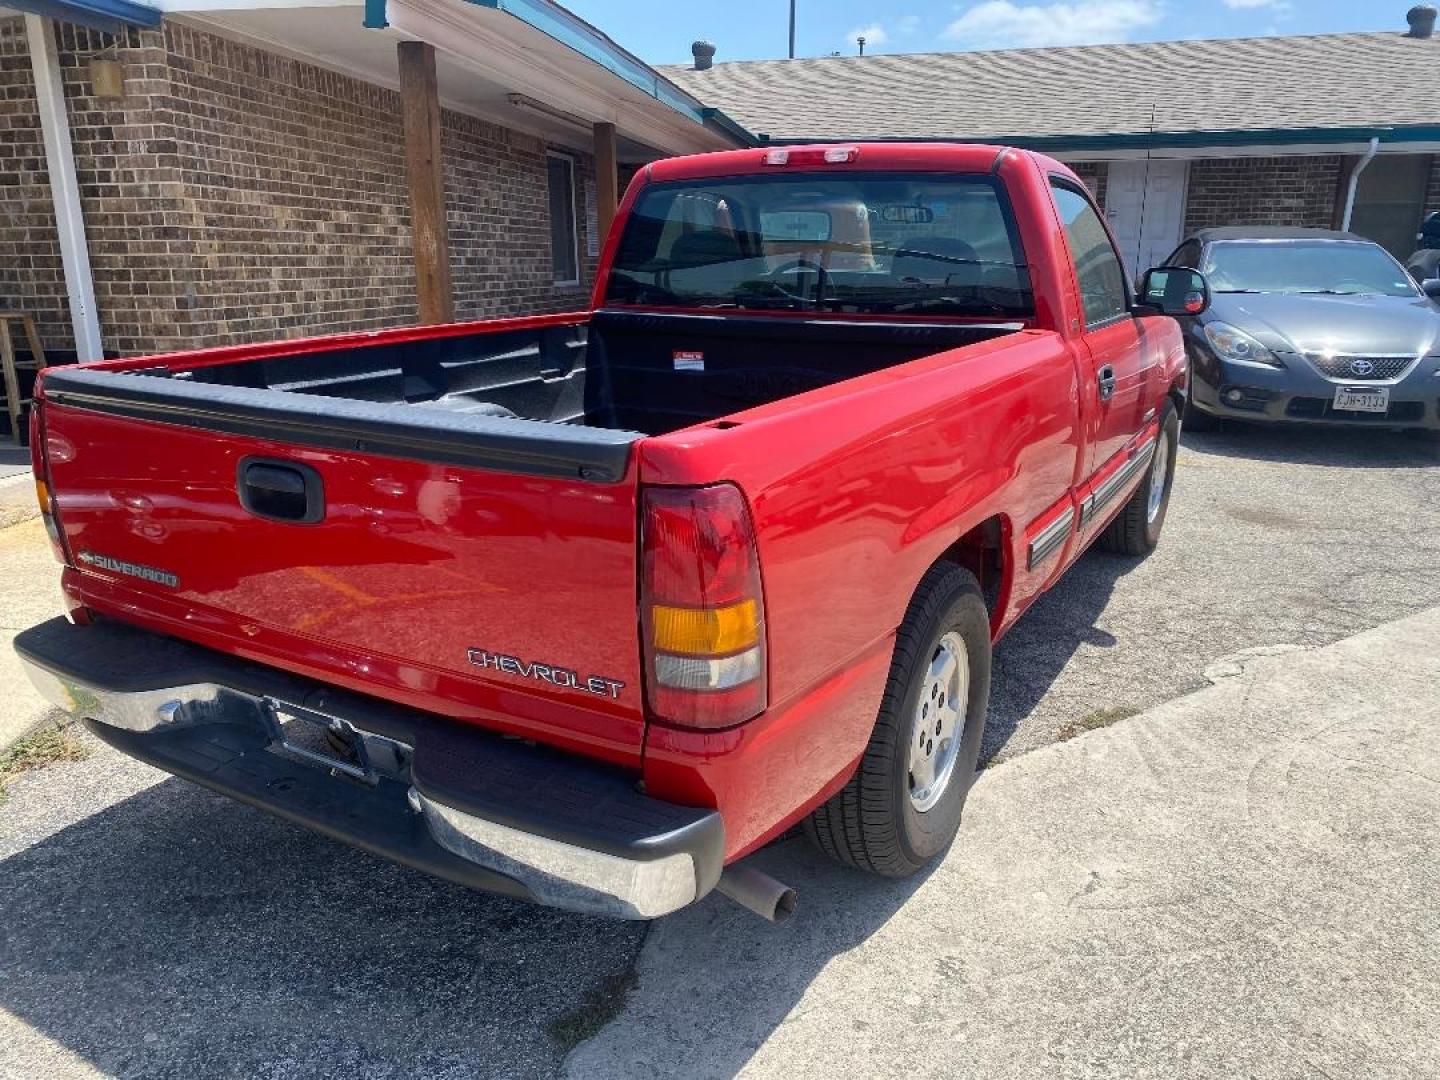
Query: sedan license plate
x=1371, y=399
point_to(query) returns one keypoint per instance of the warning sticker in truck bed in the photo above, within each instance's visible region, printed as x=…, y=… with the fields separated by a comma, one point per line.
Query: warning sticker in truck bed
x=687, y=360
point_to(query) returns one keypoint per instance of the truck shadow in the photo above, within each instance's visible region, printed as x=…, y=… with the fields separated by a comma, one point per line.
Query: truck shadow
x=176, y=933
x=1033, y=654
x=716, y=981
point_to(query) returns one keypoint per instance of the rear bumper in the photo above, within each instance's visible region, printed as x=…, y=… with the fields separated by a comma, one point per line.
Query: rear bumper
x=486, y=812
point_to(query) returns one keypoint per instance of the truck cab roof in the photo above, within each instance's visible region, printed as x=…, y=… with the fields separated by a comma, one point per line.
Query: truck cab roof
x=867, y=156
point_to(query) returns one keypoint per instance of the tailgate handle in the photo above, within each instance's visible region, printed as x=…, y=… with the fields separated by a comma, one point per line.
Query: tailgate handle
x=281, y=490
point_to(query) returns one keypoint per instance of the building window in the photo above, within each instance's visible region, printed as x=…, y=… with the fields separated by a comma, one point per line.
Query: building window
x=564, y=234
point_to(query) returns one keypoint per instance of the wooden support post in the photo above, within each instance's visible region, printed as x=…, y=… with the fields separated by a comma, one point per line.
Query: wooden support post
x=607, y=179
x=424, y=169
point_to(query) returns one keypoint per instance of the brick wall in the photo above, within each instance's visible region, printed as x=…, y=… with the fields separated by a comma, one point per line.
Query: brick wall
x=499, y=216
x=132, y=192
x=1095, y=174
x=1263, y=191
x=293, y=216
x=237, y=195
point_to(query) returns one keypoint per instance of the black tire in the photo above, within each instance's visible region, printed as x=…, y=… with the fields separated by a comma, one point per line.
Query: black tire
x=1195, y=418
x=1198, y=420
x=1134, y=531
x=872, y=823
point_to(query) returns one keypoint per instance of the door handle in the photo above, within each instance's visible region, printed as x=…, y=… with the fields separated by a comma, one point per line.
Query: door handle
x=281, y=490
x=1107, y=382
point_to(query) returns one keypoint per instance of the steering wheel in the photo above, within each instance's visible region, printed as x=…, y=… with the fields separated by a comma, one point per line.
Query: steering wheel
x=799, y=264
x=790, y=267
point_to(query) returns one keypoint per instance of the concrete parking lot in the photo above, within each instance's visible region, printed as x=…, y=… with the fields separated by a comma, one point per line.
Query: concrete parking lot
x=149, y=928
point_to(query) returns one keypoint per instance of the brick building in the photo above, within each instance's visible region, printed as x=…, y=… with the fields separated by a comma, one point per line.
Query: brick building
x=1171, y=136
x=232, y=188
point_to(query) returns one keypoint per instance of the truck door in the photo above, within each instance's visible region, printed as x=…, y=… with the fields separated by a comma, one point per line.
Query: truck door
x=1111, y=334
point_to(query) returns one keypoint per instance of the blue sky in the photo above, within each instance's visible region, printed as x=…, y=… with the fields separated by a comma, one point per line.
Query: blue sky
x=660, y=31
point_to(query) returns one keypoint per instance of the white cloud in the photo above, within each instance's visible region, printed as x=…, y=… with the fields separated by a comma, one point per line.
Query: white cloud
x=874, y=34
x=1001, y=23
x=1245, y=5
x=878, y=33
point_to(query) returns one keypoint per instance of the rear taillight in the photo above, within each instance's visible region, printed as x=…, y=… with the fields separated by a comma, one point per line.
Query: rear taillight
x=40, y=466
x=701, y=606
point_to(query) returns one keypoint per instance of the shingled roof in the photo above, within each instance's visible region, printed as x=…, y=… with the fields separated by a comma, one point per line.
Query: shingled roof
x=1235, y=89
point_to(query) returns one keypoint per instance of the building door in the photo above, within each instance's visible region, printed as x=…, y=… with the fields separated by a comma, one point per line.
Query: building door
x=1390, y=202
x=1145, y=204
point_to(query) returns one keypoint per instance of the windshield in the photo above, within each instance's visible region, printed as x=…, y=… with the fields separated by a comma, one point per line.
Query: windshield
x=869, y=243
x=1343, y=267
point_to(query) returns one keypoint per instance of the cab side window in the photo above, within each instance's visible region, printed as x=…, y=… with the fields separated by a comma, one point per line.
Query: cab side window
x=1097, y=268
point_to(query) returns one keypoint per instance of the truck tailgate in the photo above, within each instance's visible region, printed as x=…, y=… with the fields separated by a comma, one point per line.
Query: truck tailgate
x=500, y=594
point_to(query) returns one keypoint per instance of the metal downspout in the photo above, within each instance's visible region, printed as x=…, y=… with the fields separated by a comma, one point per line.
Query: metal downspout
x=1360, y=167
x=64, y=188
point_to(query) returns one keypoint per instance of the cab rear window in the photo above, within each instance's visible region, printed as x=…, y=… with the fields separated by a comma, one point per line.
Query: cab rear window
x=869, y=243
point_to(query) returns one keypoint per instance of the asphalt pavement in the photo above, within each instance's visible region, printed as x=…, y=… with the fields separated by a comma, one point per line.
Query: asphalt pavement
x=149, y=928
x=14, y=460
x=1275, y=536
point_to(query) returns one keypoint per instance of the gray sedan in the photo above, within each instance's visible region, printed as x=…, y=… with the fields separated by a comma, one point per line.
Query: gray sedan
x=1310, y=326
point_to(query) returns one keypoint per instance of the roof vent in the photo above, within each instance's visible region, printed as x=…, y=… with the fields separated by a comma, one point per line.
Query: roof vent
x=704, y=51
x=1421, y=18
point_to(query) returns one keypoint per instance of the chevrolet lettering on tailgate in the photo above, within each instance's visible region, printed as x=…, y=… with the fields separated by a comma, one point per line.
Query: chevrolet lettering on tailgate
x=553, y=674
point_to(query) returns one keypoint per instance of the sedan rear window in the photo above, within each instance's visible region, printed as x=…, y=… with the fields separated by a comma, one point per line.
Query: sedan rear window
x=1340, y=267
x=855, y=242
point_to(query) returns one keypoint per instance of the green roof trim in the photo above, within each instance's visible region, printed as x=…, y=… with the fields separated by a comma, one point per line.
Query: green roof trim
x=730, y=126
x=107, y=16
x=1167, y=139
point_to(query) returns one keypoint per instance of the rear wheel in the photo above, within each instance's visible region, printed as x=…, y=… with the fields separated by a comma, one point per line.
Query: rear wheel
x=902, y=807
x=1136, y=530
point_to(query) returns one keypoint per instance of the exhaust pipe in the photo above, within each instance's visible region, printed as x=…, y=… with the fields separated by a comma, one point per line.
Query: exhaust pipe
x=761, y=893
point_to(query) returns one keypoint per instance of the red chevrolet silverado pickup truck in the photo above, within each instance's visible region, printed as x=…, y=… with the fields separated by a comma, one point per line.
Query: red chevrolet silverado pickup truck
x=585, y=608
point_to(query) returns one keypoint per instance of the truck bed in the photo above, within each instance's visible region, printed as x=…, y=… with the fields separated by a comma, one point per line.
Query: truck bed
x=640, y=373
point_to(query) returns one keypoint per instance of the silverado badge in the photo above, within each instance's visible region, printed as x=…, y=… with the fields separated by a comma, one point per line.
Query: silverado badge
x=129, y=569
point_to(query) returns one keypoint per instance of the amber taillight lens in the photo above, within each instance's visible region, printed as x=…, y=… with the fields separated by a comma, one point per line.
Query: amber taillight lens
x=702, y=607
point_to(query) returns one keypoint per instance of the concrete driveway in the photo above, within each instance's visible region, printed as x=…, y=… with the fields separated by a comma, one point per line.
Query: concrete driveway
x=149, y=928
x=1243, y=882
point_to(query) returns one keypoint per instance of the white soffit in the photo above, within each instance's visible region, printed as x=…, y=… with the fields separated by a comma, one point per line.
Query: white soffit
x=483, y=57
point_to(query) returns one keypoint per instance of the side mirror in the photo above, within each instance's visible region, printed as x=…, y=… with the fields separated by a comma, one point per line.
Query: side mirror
x=1431, y=288
x=1174, y=290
